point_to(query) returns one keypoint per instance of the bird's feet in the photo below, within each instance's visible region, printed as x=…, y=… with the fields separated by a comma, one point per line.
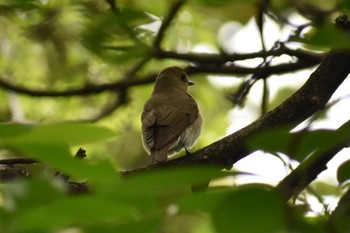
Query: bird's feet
x=187, y=152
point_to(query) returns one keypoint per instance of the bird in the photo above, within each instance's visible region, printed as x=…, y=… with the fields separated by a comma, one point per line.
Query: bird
x=171, y=120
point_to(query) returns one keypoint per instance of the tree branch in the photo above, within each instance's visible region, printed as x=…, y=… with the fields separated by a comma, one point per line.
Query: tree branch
x=310, y=98
x=133, y=80
x=87, y=90
x=260, y=71
x=129, y=31
x=118, y=100
x=13, y=161
x=308, y=170
x=223, y=58
x=166, y=22
x=339, y=220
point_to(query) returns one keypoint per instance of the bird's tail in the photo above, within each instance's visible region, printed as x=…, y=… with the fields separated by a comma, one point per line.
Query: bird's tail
x=158, y=156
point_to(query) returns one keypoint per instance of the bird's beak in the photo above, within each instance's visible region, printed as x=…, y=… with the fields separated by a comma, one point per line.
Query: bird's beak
x=190, y=83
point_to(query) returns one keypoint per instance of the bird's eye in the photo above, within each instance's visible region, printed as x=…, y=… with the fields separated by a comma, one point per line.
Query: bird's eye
x=184, y=77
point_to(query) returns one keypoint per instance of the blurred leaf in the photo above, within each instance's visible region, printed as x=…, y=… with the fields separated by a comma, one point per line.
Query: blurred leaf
x=300, y=223
x=70, y=133
x=164, y=180
x=343, y=172
x=122, y=205
x=115, y=29
x=345, y=4
x=208, y=201
x=48, y=143
x=203, y=202
x=133, y=16
x=328, y=36
x=155, y=7
x=219, y=2
x=262, y=208
x=279, y=136
x=10, y=6
x=58, y=156
x=325, y=188
x=33, y=192
x=25, y=196
x=204, y=226
x=79, y=210
x=220, y=10
x=148, y=225
x=281, y=95
x=298, y=145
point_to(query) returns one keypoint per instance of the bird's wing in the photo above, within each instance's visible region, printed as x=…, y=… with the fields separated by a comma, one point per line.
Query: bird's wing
x=148, y=119
x=173, y=119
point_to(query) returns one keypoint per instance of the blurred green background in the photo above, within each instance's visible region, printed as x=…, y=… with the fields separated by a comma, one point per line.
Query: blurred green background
x=77, y=73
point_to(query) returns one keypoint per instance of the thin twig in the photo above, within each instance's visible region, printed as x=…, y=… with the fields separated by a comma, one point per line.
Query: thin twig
x=166, y=22
x=87, y=90
x=137, y=81
x=119, y=100
x=265, y=97
x=223, y=58
x=13, y=161
x=123, y=24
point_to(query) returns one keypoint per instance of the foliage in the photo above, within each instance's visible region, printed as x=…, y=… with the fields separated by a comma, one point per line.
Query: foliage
x=137, y=203
x=76, y=74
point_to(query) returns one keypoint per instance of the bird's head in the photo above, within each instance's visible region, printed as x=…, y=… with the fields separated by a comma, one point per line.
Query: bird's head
x=172, y=78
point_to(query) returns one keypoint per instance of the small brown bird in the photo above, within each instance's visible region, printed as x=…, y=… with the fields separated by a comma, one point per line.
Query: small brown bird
x=171, y=120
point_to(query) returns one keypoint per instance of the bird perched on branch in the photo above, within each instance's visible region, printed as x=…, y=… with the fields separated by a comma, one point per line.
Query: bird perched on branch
x=171, y=120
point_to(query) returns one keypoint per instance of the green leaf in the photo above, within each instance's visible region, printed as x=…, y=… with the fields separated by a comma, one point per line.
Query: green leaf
x=220, y=2
x=250, y=210
x=81, y=210
x=147, y=225
x=328, y=36
x=345, y=4
x=70, y=133
x=343, y=172
x=33, y=192
x=59, y=157
x=24, y=196
x=154, y=7
x=203, y=202
x=153, y=182
x=110, y=31
x=300, y=144
x=132, y=16
x=325, y=188
x=273, y=140
x=208, y=201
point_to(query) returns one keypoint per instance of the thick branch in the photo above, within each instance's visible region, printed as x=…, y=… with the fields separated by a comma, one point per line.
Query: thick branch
x=310, y=98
